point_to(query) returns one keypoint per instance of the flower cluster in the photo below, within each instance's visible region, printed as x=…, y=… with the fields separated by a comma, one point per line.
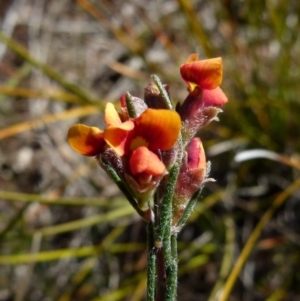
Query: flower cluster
x=201, y=106
x=145, y=138
x=137, y=143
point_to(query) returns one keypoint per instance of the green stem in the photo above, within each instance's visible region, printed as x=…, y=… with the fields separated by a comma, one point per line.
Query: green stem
x=151, y=272
x=167, y=248
x=161, y=275
x=166, y=207
x=172, y=272
x=162, y=91
x=165, y=218
x=167, y=281
x=189, y=209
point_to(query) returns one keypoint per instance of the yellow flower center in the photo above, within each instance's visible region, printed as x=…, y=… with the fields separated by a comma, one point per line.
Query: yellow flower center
x=137, y=142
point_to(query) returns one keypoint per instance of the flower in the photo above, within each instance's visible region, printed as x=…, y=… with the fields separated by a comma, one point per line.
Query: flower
x=205, y=97
x=196, y=156
x=155, y=129
x=153, y=97
x=191, y=176
x=207, y=75
x=138, y=141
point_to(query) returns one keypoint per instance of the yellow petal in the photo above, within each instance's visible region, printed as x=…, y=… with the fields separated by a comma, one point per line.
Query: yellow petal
x=86, y=140
x=111, y=115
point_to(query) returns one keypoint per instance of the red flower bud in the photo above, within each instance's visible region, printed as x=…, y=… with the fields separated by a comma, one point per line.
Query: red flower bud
x=153, y=98
x=190, y=178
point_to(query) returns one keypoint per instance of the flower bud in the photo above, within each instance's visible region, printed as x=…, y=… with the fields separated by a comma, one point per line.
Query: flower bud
x=190, y=178
x=153, y=98
x=114, y=161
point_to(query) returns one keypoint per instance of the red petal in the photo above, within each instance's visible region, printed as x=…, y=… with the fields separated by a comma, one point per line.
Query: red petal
x=159, y=128
x=144, y=161
x=123, y=101
x=215, y=97
x=196, y=154
x=86, y=140
x=207, y=74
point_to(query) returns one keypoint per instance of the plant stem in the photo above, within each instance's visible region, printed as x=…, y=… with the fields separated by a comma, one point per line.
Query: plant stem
x=161, y=275
x=151, y=272
x=172, y=271
x=165, y=218
x=189, y=209
x=166, y=207
x=167, y=248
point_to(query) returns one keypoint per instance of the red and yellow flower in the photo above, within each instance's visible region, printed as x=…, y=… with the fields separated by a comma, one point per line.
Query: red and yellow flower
x=138, y=141
x=207, y=75
x=205, y=97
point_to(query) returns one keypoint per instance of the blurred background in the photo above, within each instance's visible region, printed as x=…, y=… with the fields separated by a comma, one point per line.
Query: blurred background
x=66, y=233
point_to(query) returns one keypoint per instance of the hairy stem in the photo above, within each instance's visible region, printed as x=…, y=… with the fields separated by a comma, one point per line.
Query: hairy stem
x=151, y=272
x=172, y=271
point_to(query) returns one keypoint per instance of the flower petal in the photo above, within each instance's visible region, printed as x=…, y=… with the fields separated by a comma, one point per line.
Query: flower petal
x=117, y=136
x=144, y=161
x=196, y=154
x=159, y=128
x=215, y=97
x=111, y=115
x=207, y=74
x=194, y=57
x=86, y=140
